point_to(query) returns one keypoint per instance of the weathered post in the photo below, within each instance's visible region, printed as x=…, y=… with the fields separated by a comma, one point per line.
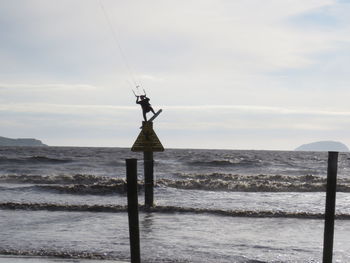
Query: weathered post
x=149, y=178
x=133, y=210
x=330, y=207
x=148, y=142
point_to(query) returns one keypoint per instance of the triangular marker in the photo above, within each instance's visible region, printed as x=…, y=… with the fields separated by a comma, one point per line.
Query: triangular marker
x=147, y=141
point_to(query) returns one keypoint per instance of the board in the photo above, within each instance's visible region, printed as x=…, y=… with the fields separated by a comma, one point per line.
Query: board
x=155, y=115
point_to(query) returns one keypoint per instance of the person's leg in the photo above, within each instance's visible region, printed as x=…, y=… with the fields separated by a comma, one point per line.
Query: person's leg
x=144, y=115
x=152, y=110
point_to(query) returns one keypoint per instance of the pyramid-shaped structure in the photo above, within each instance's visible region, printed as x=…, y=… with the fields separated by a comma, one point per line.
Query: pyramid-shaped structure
x=147, y=141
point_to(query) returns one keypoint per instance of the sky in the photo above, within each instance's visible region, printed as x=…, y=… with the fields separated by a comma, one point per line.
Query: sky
x=228, y=74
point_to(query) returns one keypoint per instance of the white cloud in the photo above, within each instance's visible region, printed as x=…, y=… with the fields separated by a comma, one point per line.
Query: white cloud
x=179, y=35
x=62, y=108
x=258, y=110
x=43, y=87
x=245, y=68
x=181, y=110
x=248, y=35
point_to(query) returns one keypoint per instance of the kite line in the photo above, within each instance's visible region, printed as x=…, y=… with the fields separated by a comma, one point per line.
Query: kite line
x=121, y=51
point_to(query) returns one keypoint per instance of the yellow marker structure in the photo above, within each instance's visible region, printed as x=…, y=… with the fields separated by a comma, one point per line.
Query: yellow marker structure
x=147, y=141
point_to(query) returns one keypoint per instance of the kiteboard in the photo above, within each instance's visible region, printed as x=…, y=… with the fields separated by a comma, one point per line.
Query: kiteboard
x=155, y=115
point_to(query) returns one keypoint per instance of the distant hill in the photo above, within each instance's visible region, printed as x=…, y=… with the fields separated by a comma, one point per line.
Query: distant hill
x=323, y=146
x=20, y=142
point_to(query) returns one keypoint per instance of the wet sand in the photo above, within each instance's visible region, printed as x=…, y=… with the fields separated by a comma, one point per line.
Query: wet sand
x=22, y=259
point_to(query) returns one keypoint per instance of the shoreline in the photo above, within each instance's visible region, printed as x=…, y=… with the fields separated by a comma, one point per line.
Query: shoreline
x=38, y=259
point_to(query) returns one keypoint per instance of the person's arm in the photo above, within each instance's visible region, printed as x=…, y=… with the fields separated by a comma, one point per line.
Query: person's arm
x=137, y=99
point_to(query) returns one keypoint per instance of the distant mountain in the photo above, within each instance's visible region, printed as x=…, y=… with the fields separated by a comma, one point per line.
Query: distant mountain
x=323, y=146
x=20, y=142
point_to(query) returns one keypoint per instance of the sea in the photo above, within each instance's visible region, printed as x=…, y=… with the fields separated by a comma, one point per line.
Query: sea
x=70, y=203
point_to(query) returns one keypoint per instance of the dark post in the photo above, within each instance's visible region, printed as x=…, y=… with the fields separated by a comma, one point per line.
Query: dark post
x=330, y=207
x=148, y=142
x=133, y=210
x=149, y=179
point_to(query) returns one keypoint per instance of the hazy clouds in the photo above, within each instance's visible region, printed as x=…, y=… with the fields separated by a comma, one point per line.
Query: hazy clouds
x=233, y=74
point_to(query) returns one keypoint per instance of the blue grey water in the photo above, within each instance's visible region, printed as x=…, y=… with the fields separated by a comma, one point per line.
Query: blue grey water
x=211, y=205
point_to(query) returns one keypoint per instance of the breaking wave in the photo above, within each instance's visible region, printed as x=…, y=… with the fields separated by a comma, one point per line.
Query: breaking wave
x=253, y=183
x=56, y=179
x=166, y=210
x=102, y=185
x=62, y=207
x=227, y=162
x=76, y=256
x=57, y=254
x=70, y=184
x=94, y=189
x=79, y=184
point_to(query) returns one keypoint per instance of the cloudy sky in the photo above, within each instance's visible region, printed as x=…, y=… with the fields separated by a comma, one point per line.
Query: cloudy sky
x=235, y=74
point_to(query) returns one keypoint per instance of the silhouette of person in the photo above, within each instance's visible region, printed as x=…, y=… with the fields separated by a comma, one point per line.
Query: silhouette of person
x=145, y=105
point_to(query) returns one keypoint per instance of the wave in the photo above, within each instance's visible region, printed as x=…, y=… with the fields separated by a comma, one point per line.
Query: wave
x=238, y=177
x=102, y=185
x=94, y=189
x=33, y=160
x=62, y=207
x=78, y=189
x=86, y=255
x=58, y=254
x=253, y=183
x=70, y=184
x=76, y=256
x=227, y=162
x=165, y=210
x=56, y=179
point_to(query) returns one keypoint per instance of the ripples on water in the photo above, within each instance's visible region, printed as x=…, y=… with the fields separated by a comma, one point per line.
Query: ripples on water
x=212, y=205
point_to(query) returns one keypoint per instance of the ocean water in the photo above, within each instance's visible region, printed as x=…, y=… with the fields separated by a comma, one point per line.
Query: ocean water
x=211, y=205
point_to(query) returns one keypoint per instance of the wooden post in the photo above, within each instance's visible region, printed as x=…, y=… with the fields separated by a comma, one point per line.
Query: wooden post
x=330, y=207
x=149, y=178
x=133, y=210
x=148, y=142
